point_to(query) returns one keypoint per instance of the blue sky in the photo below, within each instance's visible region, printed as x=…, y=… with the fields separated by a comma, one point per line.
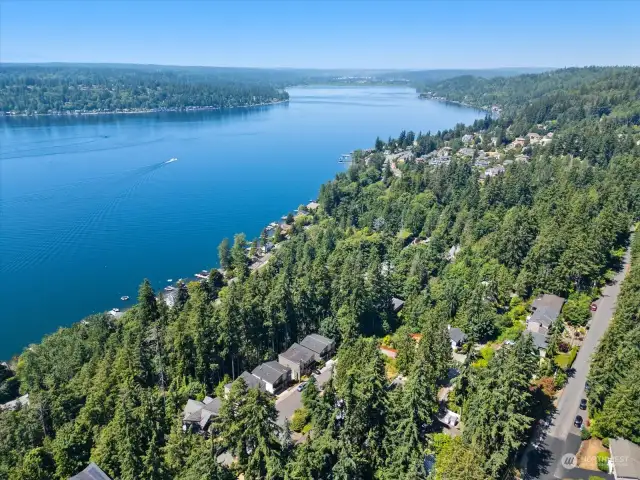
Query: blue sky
x=331, y=34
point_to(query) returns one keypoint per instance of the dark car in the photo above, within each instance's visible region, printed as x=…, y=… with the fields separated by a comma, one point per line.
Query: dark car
x=578, y=421
x=317, y=371
x=583, y=404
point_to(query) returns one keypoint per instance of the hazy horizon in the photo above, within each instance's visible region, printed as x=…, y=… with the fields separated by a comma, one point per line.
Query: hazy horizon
x=323, y=35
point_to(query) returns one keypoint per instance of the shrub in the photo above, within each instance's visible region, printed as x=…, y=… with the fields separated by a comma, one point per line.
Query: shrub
x=605, y=442
x=561, y=379
x=603, y=461
x=585, y=434
x=300, y=419
x=595, y=477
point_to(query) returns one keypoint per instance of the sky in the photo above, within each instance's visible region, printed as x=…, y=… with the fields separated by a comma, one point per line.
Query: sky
x=331, y=34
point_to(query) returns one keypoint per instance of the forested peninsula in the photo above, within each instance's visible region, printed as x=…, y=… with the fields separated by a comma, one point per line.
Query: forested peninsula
x=60, y=90
x=425, y=234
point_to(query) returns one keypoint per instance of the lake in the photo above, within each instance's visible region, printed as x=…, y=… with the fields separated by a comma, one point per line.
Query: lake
x=89, y=207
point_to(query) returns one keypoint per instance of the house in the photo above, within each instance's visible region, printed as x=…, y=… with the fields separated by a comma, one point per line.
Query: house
x=266, y=248
x=275, y=376
x=625, y=459
x=493, y=171
x=522, y=158
x=323, y=347
x=468, y=138
x=466, y=152
x=299, y=359
x=519, y=142
x=539, y=340
x=533, y=137
x=397, y=304
x=311, y=206
x=92, y=472
x=285, y=228
x=457, y=336
x=250, y=380
x=546, y=308
x=481, y=163
x=197, y=415
x=388, y=351
x=546, y=141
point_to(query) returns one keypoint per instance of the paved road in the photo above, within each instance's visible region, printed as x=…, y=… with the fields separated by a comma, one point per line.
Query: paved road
x=562, y=437
x=290, y=400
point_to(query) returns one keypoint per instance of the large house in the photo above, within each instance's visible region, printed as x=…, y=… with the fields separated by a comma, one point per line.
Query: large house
x=546, y=309
x=625, y=459
x=299, y=359
x=321, y=346
x=92, y=472
x=275, y=376
x=197, y=415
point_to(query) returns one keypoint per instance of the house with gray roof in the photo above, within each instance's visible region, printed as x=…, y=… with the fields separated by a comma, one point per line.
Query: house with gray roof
x=323, y=347
x=299, y=359
x=92, y=472
x=397, y=304
x=198, y=415
x=275, y=376
x=250, y=380
x=546, y=309
x=625, y=459
x=457, y=336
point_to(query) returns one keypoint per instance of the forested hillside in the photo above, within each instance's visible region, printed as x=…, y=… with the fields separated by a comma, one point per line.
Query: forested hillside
x=112, y=391
x=615, y=372
x=28, y=89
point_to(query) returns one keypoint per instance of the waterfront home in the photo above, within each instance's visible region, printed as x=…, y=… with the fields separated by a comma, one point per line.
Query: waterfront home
x=276, y=377
x=321, y=346
x=311, y=206
x=299, y=359
x=92, y=472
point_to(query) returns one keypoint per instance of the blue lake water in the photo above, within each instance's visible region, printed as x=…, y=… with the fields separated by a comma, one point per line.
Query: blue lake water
x=88, y=206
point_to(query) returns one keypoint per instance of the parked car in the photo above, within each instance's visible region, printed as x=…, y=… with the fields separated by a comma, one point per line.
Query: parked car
x=594, y=307
x=583, y=404
x=301, y=386
x=578, y=421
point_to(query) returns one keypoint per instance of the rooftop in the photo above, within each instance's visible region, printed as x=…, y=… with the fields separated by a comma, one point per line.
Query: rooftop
x=298, y=354
x=316, y=343
x=457, y=335
x=92, y=472
x=397, y=304
x=626, y=458
x=539, y=339
x=250, y=380
x=270, y=372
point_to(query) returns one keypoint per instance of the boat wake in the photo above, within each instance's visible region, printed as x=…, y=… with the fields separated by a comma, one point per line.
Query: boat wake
x=171, y=160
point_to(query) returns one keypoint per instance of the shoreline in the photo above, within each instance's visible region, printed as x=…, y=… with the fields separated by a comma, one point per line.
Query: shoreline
x=186, y=109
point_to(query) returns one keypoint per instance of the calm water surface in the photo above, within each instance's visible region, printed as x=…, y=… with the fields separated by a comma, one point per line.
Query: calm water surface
x=88, y=206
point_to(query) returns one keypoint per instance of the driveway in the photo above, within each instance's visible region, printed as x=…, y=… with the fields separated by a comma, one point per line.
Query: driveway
x=561, y=436
x=290, y=400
